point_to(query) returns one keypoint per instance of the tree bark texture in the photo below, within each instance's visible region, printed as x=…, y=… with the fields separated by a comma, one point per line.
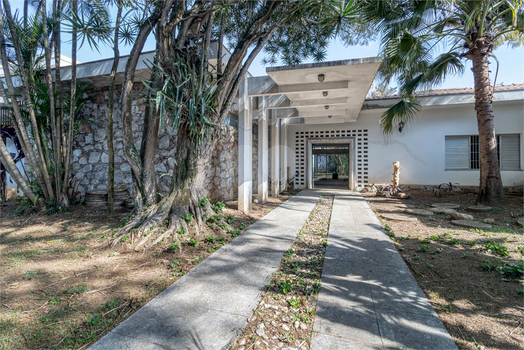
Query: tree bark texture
x=491, y=191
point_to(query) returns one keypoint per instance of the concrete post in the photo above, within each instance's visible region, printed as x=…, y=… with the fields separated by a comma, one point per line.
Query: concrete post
x=263, y=167
x=283, y=154
x=245, y=145
x=275, y=155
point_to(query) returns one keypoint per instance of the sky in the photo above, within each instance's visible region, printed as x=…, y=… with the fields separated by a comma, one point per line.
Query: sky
x=511, y=60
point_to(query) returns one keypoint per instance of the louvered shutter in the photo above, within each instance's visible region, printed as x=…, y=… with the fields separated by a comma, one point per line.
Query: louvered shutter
x=457, y=152
x=510, y=152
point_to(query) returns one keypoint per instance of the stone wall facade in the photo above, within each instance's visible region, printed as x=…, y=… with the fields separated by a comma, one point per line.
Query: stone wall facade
x=90, y=155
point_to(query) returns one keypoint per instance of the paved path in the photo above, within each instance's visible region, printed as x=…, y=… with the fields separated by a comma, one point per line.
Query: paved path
x=207, y=307
x=369, y=298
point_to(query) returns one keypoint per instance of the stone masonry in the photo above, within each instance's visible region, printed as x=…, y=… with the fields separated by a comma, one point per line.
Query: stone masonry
x=90, y=156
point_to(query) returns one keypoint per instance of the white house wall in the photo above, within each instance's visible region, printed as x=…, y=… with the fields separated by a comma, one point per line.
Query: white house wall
x=420, y=146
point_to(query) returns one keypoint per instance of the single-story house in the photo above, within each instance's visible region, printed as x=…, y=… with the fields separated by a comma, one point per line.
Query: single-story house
x=315, y=126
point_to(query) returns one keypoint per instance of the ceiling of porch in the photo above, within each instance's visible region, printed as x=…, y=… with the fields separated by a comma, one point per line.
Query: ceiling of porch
x=326, y=92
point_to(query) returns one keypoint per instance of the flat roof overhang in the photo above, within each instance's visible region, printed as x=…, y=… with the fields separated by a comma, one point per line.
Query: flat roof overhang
x=317, y=93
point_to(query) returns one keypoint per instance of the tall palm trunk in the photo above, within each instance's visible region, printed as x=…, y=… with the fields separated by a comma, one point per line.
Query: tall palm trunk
x=491, y=191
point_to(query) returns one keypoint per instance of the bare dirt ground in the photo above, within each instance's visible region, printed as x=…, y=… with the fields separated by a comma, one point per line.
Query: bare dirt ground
x=285, y=313
x=62, y=286
x=471, y=277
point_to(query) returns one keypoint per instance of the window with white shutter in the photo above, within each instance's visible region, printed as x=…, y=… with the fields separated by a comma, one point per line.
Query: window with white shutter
x=509, y=152
x=457, y=152
x=463, y=152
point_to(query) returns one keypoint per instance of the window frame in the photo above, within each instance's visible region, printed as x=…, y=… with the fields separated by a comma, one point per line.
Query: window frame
x=500, y=152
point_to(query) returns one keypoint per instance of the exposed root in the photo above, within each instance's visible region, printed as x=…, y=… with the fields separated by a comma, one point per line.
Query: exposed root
x=144, y=227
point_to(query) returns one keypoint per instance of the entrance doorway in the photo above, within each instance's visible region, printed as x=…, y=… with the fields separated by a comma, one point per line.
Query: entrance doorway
x=330, y=165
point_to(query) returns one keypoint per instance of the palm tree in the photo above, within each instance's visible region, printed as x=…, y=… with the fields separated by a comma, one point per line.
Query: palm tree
x=414, y=32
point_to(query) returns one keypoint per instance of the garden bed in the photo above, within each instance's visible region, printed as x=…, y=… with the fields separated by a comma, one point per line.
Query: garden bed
x=470, y=276
x=284, y=316
x=64, y=286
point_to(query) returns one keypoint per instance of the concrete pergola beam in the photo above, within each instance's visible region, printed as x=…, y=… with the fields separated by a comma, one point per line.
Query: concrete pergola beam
x=275, y=89
x=312, y=103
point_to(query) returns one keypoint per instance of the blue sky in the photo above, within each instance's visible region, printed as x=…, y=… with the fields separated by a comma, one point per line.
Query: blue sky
x=511, y=60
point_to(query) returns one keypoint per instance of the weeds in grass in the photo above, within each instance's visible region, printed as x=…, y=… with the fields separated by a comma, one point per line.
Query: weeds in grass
x=496, y=248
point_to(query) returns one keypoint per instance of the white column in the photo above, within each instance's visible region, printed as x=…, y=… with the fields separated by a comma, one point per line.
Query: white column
x=283, y=154
x=245, y=146
x=263, y=167
x=275, y=155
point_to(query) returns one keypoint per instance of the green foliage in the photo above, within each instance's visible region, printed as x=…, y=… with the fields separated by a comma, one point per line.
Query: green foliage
x=496, y=248
x=294, y=302
x=512, y=271
x=521, y=250
x=230, y=219
x=79, y=290
x=285, y=287
x=234, y=232
x=173, y=246
x=187, y=217
x=193, y=242
x=218, y=207
x=389, y=230
x=211, y=239
x=424, y=248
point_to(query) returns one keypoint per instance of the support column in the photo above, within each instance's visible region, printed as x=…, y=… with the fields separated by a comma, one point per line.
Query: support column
x=275, y=155
x=263, y=167
x=283, y=154
x=245, y=145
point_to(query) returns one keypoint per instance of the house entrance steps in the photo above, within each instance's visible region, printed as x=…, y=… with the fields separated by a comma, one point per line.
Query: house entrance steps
x=369, y=299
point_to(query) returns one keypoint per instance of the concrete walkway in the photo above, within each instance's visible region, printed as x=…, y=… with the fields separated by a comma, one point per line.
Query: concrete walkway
x=207, y=307
x=369, y=298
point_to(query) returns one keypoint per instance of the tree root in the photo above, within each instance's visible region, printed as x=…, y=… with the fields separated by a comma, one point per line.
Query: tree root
x=146, y=224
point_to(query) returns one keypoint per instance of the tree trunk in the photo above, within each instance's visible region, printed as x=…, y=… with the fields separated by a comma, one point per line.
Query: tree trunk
x=111, y=102
x=491, y=191
x=187, y=196
x=12, y=169
x=70, y=132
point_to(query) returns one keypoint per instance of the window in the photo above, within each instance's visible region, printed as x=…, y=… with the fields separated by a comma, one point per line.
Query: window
x=463, y=152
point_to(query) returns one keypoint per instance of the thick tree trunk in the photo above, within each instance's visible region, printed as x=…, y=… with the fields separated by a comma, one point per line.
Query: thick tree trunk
x=491, y=191
x=187, y=196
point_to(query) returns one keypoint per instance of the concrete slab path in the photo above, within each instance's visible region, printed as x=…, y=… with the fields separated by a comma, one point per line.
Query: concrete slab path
x=369, y=299
x=207, y=307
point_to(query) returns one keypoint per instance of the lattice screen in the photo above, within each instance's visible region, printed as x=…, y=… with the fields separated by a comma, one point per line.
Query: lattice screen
x=361, y=140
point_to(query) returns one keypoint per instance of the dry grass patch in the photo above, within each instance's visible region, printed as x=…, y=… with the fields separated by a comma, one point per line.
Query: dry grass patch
x=473, y=278
x=63, y=286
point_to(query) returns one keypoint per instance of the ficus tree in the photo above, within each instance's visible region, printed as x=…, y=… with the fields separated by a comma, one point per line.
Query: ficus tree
x=423, y=42
x=196, y=98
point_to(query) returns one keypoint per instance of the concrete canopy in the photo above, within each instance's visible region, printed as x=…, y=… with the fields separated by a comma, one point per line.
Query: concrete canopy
x=326, y=92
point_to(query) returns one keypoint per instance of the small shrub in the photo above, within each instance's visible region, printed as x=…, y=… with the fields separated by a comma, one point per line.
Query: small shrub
x=218, y=207
x=203, y=202
x=496, y=248
x=173, y=246
x=187, y=217
x=512, y=271
x=294, y=302
x=285, y=286
x=424, y=248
